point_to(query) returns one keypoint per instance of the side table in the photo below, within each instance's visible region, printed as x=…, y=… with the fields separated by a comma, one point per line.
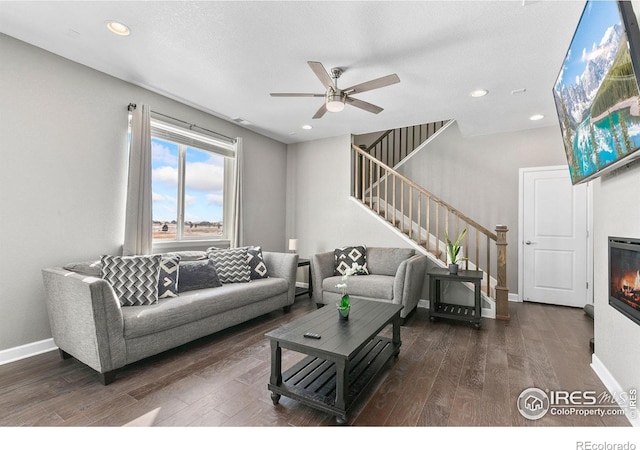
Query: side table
x=438, y=308
x=309, y=289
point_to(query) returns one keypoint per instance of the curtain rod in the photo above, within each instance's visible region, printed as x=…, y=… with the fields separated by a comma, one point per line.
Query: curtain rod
x=132, y=106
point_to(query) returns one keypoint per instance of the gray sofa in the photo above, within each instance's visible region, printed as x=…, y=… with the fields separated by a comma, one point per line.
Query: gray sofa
x=396, y=275
x=89, y=323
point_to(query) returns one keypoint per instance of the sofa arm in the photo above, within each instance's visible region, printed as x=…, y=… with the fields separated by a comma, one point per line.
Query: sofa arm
x=283, y=265
x=321, y=268
x=408, y=283
x=86, y=319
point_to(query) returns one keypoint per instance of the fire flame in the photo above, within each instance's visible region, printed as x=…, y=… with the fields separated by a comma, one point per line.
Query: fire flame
x=626, y=285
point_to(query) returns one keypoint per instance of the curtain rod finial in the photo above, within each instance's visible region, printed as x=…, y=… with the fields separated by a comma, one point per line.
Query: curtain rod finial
x=131, y=106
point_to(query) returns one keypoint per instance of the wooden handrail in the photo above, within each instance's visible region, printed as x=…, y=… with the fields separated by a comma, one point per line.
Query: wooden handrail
x=419, y=188
x=369, y=181
x=377, y=141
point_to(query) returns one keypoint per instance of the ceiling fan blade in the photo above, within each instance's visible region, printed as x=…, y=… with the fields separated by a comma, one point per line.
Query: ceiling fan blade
x=364, y=105
x=322, y=74
x=293, y=94
x=373, y=84
x=321, y=111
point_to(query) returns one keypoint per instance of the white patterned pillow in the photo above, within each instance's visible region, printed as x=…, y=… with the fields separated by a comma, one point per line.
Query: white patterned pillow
x=169, y=272
x=231, y=265
x=257, y=267
x=345, y=257
x=133, y=278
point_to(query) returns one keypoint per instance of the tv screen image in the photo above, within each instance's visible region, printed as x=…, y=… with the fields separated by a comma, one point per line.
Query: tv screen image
x=596, y=92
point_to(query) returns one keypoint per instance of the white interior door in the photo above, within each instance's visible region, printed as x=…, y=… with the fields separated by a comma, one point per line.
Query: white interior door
x=554, y=238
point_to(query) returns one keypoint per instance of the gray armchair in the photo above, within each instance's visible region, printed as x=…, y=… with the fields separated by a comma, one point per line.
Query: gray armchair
x=396, y=275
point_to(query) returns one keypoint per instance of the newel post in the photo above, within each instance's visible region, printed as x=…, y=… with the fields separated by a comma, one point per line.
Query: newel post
x=502, y=291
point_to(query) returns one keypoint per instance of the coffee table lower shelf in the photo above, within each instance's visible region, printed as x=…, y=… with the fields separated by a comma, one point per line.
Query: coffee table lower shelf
x=312, y=381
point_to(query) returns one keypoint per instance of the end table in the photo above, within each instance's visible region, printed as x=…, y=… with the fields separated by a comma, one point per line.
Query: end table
x=438, y=308
x=309, y=289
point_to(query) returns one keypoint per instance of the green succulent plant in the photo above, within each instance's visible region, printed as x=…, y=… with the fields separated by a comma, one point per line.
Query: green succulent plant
x=453, y=248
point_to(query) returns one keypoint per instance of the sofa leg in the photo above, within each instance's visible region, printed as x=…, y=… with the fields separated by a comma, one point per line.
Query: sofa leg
x=286, y=309
x=63, y=354
x=107, y=377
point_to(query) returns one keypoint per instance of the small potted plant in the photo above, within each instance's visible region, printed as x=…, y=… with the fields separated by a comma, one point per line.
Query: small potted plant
x=344, y=307
x=453, y=251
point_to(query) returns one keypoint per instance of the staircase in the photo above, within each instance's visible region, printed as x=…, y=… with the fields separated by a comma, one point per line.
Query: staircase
x=395, y=145
x=424, y=218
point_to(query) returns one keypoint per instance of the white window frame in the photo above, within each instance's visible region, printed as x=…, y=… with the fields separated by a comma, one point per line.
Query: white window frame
x=186, y=137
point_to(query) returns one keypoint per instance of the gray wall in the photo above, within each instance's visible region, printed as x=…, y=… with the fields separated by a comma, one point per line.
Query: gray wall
x=616, y=336
x=479, y=176
x=64, y=161
x=321, y=214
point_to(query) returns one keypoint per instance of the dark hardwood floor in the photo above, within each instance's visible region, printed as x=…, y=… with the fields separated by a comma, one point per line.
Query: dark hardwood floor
x=447, y=374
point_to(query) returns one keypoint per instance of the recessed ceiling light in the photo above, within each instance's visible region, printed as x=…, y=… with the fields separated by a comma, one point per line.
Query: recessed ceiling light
x=118, y=28
x=306, y=127
x=479, y=93
x=536, y=117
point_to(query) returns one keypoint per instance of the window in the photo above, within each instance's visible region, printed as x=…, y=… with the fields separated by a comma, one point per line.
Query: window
x=191, y=185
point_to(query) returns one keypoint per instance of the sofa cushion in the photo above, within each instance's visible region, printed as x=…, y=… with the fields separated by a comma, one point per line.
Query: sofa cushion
x=385, y=261
x=188, y=255
x=133, y=278
x=197, y=275
x=231, y=264
x=168, y=281
x=199, y=304
x=371, y=286
x=345, y=257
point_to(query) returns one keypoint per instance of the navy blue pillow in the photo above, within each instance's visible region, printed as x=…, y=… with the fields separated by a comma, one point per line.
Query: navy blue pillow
x=197, y=275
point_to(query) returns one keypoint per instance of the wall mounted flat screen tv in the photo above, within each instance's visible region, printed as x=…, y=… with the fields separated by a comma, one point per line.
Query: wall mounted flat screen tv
x=596, y=92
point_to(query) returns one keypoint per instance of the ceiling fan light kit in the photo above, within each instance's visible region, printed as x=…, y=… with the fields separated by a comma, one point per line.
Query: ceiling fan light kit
x=335, y=98
x=335, y=102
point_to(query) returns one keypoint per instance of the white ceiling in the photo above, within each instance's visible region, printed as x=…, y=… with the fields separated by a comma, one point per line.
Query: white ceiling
x=225, y=57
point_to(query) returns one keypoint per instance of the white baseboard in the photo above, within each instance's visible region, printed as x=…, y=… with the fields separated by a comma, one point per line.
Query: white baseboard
x=26, y=351
x=612, y=386
x=513, y=297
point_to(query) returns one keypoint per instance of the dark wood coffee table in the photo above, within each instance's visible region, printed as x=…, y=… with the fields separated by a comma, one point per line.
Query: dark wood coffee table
x=341, y=363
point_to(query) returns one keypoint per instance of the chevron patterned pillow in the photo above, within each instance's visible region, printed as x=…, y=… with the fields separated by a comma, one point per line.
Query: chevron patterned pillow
x=257, y=267
x=231, y=265
x=133, y=278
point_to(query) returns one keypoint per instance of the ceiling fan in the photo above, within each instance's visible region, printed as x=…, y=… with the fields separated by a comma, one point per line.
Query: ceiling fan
x=336, y=98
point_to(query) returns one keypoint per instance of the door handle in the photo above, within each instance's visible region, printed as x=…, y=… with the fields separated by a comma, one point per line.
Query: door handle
x=529, y=242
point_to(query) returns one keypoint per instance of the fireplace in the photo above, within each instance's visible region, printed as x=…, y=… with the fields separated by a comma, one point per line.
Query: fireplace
x=624, y=276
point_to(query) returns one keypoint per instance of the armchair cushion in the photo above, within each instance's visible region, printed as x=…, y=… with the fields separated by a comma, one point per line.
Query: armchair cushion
x=371, y=286
x=385, y=261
